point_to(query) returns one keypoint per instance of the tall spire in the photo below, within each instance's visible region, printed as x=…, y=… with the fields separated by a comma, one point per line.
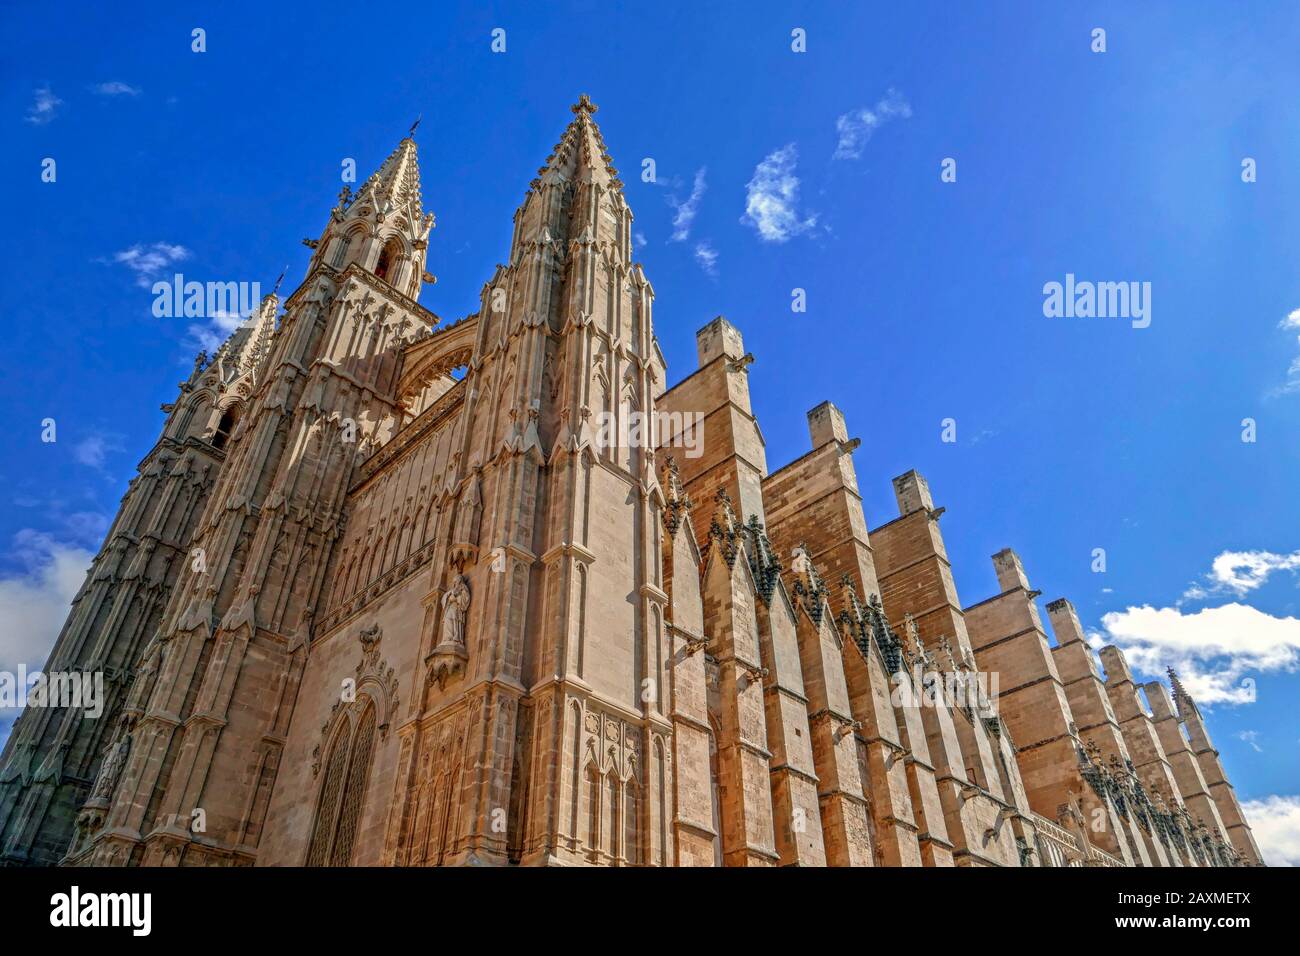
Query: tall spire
x=249, y=343
x=576, y=196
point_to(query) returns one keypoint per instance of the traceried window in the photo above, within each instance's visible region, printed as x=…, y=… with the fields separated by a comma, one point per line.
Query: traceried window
x=342, y=793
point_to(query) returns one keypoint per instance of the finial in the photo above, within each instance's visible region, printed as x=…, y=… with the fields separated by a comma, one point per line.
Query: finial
x=276, y=290
x=584, y=105
x=411, y=134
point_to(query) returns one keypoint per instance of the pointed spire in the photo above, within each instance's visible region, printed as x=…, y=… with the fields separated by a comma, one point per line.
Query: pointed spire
x=808, y=584
x=1183, y=702
x=396, y=186
x=262, y=330
x=677, y=503
x=891, y=648
x=581, y=151
x=388, y=207
x=764, y=563
x=724, y=528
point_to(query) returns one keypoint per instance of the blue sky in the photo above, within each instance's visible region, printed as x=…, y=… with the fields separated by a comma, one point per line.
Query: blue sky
x=776, y=171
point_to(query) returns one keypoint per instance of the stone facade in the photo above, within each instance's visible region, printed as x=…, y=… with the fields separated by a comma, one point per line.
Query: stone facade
x=387, y=592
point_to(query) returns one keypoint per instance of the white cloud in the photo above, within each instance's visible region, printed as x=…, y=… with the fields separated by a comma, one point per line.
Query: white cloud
x=1275, y=822
x=148, y=260
x=1292, y=321
x=638, y=240
x=1212, y=650
x=772, y=198
x=1292, y=383
x=707, y=257
x=35, y=601
x=684, y=212
x=1240, y=572
x=43, y=107
x=115, y=88
x=857, y=126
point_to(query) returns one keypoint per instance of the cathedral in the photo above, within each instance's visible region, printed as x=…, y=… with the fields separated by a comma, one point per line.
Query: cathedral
x=390, y=590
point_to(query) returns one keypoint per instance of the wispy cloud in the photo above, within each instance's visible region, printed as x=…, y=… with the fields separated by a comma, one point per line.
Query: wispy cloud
x=148, y=260
x=93, y=450
x=772, y=198
x=638, y=239
x=707, y=257
x=684, y=211
x=115, y=88
x=1251, y=737
x=1292, y=384
x=856, y=127
x=1212, y=649
x=44, y=106
x=221, y=324
x=1275, y=822
x=1240, y=572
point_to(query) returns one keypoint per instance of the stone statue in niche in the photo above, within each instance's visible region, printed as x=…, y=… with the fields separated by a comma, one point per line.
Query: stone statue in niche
x=111, y=771
x=454, y=605
x=449, y=657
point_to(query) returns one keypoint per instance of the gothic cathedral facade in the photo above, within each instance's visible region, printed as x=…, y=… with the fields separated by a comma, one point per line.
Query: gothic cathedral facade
x=386, y=592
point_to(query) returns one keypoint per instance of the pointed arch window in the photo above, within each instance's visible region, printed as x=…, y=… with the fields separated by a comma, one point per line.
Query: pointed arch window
x=342, y=793
x=341, y=251
x=225, y=427
x=386, y=267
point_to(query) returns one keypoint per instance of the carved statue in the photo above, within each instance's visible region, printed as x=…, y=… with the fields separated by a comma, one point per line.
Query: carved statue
x=455, y=604
x=111, y=771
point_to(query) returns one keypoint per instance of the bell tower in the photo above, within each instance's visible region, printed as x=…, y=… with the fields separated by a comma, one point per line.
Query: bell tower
x=559, y=712
x=210, y=704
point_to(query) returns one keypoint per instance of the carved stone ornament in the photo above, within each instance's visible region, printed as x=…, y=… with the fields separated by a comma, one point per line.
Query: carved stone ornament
x=464, y=537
